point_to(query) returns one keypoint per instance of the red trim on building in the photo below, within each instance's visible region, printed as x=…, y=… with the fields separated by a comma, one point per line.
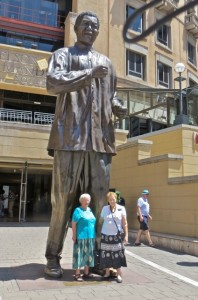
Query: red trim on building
x=31, y=28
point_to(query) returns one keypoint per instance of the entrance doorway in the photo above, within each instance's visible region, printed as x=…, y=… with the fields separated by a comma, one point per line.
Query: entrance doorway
x=38, y=202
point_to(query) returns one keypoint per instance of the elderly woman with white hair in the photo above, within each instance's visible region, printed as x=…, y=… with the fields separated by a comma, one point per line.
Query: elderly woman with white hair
x=84, y=234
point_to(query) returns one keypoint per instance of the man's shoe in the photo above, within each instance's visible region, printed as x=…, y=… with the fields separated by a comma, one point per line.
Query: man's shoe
x=53, y=268
x=136, y=244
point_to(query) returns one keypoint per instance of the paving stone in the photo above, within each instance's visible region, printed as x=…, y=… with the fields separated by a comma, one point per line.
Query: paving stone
x=22, y=277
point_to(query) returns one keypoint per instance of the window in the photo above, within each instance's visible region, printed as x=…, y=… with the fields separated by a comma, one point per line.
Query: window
x=191, y=53
x=163, y=35
x=135, y=64
x=12, y=38
x=163, y=74
x=49, y=12
x=13, y=10
x=137, y=23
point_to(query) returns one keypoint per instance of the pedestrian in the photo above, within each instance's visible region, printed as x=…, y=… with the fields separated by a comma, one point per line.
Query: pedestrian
x=83, y=230
x=82, y=135
x=2, y=198
x=112, y=243
x=143, y=209
x=120, y=199
x=11, y=202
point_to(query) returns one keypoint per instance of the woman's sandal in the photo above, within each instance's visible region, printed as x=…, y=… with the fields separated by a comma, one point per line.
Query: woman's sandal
x=89, y=275
x=78, y=277
x=113, y=273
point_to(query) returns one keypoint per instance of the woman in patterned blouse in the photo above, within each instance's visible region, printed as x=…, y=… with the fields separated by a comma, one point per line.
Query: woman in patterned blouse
x=112, y=243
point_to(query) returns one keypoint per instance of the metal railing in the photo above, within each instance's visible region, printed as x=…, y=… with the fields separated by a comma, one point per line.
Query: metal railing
x=23, y=116
x=168, y=4
x=43, y=118
x=15, y=115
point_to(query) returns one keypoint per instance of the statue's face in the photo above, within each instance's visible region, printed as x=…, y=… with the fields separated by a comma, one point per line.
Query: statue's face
x=87, y=31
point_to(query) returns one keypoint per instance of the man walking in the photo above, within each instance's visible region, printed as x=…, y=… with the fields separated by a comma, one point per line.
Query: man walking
x=82, y=135
x=143, y=209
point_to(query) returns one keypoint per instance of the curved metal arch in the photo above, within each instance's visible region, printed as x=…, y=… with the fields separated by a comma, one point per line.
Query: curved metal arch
x=155, y=25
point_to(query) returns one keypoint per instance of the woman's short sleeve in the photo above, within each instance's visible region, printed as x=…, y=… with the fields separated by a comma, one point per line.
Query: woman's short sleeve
x=76, y=215
x=140, y=202
x=123, y=211
x=103, y=212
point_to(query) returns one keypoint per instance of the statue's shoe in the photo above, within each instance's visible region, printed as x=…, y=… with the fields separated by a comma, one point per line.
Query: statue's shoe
x=53, y=268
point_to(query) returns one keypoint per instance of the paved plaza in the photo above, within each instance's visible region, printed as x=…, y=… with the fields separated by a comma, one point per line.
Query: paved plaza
x=152, y=273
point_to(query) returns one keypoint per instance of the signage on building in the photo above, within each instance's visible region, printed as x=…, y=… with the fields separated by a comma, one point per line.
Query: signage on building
x=23, y=68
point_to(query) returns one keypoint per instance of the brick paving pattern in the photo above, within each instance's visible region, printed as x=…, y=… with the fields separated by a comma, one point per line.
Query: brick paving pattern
x=22, y=248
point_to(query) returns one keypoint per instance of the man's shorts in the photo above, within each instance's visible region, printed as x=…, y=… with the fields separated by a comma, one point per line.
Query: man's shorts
x=144, y=224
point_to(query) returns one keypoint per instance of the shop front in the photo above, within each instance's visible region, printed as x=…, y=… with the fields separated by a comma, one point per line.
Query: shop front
x=36, y=206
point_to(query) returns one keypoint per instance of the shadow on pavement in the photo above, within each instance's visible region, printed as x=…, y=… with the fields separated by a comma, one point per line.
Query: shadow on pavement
x=187, y=264
x=31, y=277
x=31, y=271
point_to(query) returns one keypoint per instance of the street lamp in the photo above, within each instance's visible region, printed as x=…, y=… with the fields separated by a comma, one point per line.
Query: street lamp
x=180, y=118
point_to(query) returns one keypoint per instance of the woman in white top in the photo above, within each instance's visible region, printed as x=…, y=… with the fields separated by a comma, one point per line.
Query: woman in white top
x=112, y=248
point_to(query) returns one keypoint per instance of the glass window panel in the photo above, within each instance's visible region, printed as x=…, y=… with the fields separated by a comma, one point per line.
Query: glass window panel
x=135, y=64
x=162, y=34
x=191, y=53
x=136, y=25
x=37, y=11
x=138, y=63
x=163, y=74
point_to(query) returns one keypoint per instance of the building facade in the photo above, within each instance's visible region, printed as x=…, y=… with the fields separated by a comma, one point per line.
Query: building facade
x=147, y=80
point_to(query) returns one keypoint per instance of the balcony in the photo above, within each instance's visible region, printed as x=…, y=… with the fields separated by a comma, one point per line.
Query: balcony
x=23, y=116
x=167, y=5
x=191, y=23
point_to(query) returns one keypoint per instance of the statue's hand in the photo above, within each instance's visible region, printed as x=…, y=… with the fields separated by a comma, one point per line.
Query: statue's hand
x=99, y=71
x=119, y=111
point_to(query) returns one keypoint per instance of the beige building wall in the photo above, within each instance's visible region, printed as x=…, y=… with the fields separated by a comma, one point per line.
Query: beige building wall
x=112, y=16
x=24, y=142
x=165, y=162
x=28, y=142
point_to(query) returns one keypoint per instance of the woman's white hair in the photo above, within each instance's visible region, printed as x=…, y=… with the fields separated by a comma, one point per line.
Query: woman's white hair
x=85, y=196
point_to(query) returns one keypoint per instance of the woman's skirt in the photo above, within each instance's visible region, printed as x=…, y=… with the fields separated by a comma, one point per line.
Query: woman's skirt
x=112, y=252
x=83, y=253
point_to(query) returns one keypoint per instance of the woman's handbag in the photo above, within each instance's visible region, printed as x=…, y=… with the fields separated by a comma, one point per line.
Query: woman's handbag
x=96, y=257
x=119, y=233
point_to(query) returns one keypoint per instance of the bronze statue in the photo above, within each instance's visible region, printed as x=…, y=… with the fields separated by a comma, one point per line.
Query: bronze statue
x=82, y=135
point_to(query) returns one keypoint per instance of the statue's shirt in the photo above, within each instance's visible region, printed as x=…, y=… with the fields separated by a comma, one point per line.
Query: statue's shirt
x=84, y=104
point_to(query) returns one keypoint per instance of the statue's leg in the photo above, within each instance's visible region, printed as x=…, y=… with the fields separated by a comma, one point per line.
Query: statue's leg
x=98, y=177
x=66, y=173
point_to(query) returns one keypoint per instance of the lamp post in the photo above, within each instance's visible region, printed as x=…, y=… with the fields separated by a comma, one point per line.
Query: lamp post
x=181, y=118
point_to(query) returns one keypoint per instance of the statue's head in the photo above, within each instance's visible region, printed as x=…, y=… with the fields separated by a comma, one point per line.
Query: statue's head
x=87, y=28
